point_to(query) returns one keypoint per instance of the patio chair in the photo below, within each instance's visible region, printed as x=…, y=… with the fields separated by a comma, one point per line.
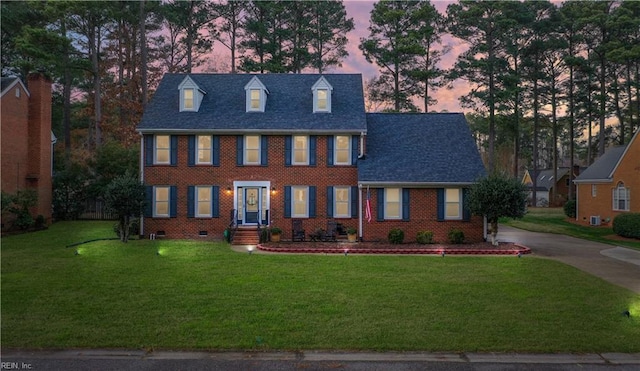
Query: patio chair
x=297, y=233
x=332, y=230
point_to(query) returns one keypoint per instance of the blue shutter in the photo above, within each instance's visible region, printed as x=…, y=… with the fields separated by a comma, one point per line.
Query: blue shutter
x=174, y=150
x=191, y=201
x=466, y=213
x=330, y=142
x=329, y=202
x=173, y=205
x=380, y=204
x=264, y=150
x=148, y=150
x=440, y=204
x=215, y=150
x=239, y=150
x=287, y=201
x=354, y=201
x=192, y=150
x=287, y=150
x=312, y=201
x=215, y=201
x=312, y=150
x=354, y=149
x=148, y=208
x=405, y=204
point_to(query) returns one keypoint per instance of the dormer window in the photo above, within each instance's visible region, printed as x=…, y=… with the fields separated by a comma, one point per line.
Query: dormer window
x=322, y=96
x=256, y=95
x=190, y=95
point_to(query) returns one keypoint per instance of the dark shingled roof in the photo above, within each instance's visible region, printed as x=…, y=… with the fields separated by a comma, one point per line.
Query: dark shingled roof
x=601, y=169
x=431, y=148
x=6, y=82
x=289, y=105
x=544, y=181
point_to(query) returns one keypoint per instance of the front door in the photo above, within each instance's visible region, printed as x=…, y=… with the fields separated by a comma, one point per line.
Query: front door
x=251, y=205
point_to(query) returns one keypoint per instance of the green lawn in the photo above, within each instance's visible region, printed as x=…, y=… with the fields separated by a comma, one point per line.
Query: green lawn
x=198, y=295
x=553, y=220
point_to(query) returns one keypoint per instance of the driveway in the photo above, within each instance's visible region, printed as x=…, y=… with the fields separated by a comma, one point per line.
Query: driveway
x=618, y=265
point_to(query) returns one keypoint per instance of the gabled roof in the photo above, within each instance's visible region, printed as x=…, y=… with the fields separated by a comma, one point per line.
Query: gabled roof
x=602, y=169
x=288, y=109
x=428, y=149
x=545, y=180
x=8, y=82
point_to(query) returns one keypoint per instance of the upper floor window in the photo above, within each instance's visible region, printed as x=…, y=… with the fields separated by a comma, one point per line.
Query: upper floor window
x=342, y=150
x=621, y=198
x=453, y=203
x=204, y=149
x=162, y=149
x=594, y=190
x=190, y=95
x=256, y=95
x=300, y=150
x=17, y=92
x=252, y=150
x=322, y=95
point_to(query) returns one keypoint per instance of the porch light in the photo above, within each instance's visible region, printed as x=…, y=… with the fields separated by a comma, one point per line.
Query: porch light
x=228, y=190
x=273, y=190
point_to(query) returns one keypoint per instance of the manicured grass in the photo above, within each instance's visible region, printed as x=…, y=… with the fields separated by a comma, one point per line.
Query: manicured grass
x=199, y=295
x=553, y=220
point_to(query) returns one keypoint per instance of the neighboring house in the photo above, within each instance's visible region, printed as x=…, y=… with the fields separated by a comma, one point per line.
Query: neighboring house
x=611, y=185
x=545, y=183
x=27, y=140
x=245, y=150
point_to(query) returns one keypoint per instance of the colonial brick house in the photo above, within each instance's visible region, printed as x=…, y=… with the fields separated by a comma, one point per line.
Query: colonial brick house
x=222, y=150
x=611, y=185
x=27, y=140
x=547, y=184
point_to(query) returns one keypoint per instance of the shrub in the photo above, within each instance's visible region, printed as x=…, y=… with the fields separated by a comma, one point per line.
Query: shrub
x=276, y=230
x=570, y=208
x=456, y=236
x=40, y=222
x=627, y=225
x=396, y=236
x=424, y=237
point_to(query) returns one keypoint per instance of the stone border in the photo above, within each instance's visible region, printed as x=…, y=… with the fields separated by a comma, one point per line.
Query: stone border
x=520, y=250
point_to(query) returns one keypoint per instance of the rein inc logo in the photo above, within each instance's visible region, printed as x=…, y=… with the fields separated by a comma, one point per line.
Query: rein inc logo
x=15, y=366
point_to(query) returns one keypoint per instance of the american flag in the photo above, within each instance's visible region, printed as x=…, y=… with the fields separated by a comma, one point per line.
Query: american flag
x=367, y=212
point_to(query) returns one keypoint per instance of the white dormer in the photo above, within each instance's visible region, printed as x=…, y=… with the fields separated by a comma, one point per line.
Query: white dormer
x=256, y=94
x=322, y=95
x=190, y=95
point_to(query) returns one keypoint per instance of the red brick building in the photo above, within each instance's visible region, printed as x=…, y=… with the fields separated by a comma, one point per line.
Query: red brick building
x=27, y=140
x=263, y=150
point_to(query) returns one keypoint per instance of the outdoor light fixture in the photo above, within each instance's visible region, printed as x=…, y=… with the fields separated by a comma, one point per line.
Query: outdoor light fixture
x=273, y=190
x=250, y=249
x=626, y=313
x=158, y=252
x=77, y=252
x=346, y=252
x=228, y=190
x=442, y=253
x=519, y=254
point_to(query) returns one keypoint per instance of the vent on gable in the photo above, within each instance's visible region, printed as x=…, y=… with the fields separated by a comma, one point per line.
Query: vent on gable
x=594, y=220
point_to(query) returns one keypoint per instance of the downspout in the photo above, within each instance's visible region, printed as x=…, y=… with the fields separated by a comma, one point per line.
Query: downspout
x=360, y=212
x=577, y=203
x=142, y=178
x=484, y=231
x=361, y=155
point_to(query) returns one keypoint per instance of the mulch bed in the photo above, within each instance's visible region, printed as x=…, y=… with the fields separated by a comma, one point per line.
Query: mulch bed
x=483, y=248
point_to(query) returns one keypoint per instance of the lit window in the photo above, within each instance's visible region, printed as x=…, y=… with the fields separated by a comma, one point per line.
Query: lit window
x=322, y=99
x=392, y=203
x=252, y=150
x=203, y=201
x=162, y=149
x=300, y=202
x=342, y=150
x=301, y=150
x=621, y=196
x=255, y=99
x=453, y=203
x=341, y=202
x=161, y=202
x=322, y=95
x=204, y=149
x=187, y=99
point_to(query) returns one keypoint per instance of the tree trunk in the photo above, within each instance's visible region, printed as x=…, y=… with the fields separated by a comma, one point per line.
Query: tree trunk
x=143, y=54
x=494, y=232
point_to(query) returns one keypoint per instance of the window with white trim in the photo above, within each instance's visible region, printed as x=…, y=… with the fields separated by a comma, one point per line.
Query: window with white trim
x=392, y=203
x=256, y=95
x=300, y=150
x=323, y=98
x=594, y=190
x=621, y=196
x=252, y=150
x=254, y=100
x=204, y=149
x=203, y=201
x=187, y=99
x=161, y=201
x=453, y=203
x=342, y=150
x=341, y=202
x=299, y=202
x=322, y=95
x=162, y=149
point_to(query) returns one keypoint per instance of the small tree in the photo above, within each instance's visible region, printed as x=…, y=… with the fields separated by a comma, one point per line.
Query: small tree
x=125, y=196
x=498, y=196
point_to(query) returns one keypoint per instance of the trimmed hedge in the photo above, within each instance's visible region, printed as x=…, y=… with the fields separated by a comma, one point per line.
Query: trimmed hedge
x=396, y=236
x=424, y=237
x=627, y=225
x=456, y=236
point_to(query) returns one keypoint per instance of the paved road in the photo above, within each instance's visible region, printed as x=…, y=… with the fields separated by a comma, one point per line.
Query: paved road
x=618, y=265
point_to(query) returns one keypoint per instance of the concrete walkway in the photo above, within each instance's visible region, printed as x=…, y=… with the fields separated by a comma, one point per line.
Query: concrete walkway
x=618, y=265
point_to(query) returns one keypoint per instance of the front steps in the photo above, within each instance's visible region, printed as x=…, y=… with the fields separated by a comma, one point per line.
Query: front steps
x=246, y=236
